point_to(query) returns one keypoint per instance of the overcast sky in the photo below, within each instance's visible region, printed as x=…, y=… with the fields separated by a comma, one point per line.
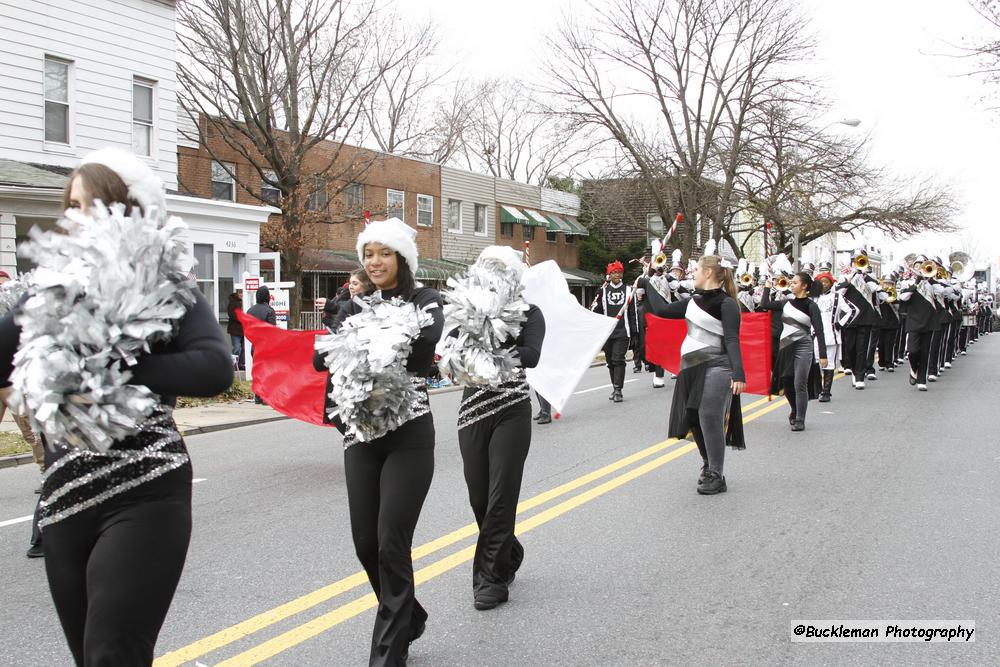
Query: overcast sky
x=882, y=62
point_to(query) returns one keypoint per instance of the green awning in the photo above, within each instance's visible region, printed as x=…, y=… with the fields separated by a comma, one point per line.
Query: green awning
x=557, y=224
x=345, y=261
x=512, y=215
x=578, y=229
x=535, y=219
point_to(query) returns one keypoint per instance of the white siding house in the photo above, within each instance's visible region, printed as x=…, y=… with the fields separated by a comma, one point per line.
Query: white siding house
x=78, y=75
x=468, y=209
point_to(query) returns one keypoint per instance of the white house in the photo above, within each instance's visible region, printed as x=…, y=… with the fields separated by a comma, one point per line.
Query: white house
x=78, y=75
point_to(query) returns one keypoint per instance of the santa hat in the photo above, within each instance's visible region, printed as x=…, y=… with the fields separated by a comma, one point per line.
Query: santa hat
x=144, y=187
x=506, y=255
x=393, y=233
x=615, y=267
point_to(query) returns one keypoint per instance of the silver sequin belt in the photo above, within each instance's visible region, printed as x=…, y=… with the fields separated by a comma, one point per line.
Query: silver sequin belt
x=487, y=401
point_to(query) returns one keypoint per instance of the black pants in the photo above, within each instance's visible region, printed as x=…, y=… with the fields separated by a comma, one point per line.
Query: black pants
x=113, y=570
x=934, y=353
x=856, y=341
x=614, y=355
x=952, y=348
x=887, y=348
x=493, y=453
x=919, y=349
x=387, y=481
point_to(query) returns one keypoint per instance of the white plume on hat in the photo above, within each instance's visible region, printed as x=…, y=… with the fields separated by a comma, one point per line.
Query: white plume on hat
x=781, y=264
x=710, y=247
x=741, y=266
x=143, y=185
x=393, y=233
x=512, y=259
x=675, y=260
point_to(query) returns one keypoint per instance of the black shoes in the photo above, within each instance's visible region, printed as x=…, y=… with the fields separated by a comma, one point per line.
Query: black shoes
x=637, y=369
x=712, y=484
x=544, y=419
x=490, y=599
x=537, y=417
x=913, y=379
x=617, y=396
x=704, y=472
x=824, y=398
x=36, y=551
x=791, y=418
x=798, y=426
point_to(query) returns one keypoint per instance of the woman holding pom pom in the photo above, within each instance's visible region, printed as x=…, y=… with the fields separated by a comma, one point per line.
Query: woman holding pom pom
x=378, y=354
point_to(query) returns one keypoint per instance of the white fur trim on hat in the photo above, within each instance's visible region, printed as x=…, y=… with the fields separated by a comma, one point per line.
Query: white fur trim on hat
x=506, y=255
x=143, y=185
x=393, y=233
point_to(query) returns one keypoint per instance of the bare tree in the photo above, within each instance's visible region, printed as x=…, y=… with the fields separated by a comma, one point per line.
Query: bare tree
x=283, y=84
x=804, y=182
x=673, y=83
x=986, y=51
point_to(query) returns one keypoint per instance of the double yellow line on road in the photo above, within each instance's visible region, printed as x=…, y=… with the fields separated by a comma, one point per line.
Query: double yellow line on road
x=351, y=609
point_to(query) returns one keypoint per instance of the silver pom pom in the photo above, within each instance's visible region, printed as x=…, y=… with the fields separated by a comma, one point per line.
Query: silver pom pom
x=101, y=295
x=367, y=358
x=10, y=293
x=486, y=308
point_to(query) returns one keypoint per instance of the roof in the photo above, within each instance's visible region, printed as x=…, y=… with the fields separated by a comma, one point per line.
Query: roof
x=26, y=174
x=581, y=277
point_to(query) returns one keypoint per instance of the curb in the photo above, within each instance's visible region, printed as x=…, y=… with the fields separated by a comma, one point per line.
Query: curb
x=16, y=460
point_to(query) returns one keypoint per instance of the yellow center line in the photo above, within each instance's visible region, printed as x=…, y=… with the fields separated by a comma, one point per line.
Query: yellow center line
x=265, y=619
x=324, y=622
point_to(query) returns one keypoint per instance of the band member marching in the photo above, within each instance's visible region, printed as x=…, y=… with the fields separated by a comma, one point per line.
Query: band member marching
x=800, y=319
x=829, y=303
x=920, y=305
x=610, y=301
x=490, y=346
x=888, y=325
x=858, y=318
x=388, y=433
x=669, y=289
x=707, y=390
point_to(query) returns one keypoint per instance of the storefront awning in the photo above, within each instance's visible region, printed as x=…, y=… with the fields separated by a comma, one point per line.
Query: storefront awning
x=578, y=277
x=316, y=260
x=535, y=219
x=512, y=215
x=577, y=228
x=557, y=224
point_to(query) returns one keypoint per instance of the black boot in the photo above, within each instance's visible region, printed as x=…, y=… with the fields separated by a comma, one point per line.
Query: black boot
x=713, y=483
x=827, y=381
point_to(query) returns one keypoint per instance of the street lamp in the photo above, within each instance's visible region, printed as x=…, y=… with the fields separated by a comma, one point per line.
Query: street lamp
x=850, y=122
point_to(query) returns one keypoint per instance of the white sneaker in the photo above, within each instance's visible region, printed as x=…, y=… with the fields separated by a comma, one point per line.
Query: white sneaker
x=859, y=385
x=871, y=376
x=922, y=387
x=932, y=378
x=947, y=364
x=658, y=382
x=963, y=353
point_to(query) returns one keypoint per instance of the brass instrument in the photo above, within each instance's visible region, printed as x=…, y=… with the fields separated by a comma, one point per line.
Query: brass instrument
x=746, y=279
x=941, y=273
x=928, y=269
x=660, y=260
x=860, y=262
x=961, y=266
x=910, y=259
x=890, y=289
x=781, y=283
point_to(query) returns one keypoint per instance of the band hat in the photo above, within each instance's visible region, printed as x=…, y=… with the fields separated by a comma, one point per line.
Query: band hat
x=506, y=255
x=392, y=233
x=144, y=186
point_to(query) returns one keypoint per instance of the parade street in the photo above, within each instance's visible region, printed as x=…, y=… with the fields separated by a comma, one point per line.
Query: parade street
x=885, y=507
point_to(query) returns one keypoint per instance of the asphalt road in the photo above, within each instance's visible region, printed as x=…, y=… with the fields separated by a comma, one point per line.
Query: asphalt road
x=886, y=507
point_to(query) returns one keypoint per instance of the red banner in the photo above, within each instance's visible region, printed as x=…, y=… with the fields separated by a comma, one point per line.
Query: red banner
x=664, y=338
x=283, y=373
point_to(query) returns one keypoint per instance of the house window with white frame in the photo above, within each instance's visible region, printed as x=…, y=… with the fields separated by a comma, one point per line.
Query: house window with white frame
x=654, y=228
x=425, y=211
x=143, y=95
x=455, y=216
x=57, y=114
x=395, y=204
x=268, y=192
x=480, y=219
x=204, y=271
x=223, y=183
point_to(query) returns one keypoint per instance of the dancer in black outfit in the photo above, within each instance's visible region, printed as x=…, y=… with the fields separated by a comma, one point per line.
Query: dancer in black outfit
x=795, y=357
x=116, y=540
x=711, y=377
x=494, y=434
x=612, y=298
x=388, y=477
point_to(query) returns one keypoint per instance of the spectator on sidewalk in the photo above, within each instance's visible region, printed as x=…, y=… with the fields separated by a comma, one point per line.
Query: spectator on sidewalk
x=262, y=311
x=235, y=328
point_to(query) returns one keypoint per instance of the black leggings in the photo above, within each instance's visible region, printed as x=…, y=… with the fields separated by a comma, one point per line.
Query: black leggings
x=113, y=570
x=387, y=481
x=614, y=357
x=493, y=453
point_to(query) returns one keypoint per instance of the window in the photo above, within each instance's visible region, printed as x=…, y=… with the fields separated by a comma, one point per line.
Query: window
x=56, y=100
x=268, y=192
x=550, y=237
x=480, y=227
x=354, y=196
x=570, y=239
x=231, y=267
x=142, y=116
x=223, y=183
x=395, y=203
x=528, y=232
x=318, y=199
x=507, y=230
x=654, y=228
x=204, y=270
x=454, y=216
x=425, y=211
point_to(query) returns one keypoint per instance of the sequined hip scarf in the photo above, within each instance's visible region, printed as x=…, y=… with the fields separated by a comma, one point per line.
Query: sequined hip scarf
x=487, y=401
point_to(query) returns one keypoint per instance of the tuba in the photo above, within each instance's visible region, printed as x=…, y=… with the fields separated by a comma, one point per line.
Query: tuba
x=961, y=266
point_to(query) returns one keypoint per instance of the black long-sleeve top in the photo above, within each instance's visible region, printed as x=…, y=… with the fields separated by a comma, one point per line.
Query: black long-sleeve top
x=197, y=361
x=529, y=342
x=803, y=304
x=422, y=347
x=719, y=305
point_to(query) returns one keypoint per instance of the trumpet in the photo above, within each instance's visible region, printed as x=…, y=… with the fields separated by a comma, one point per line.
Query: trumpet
x=928, y=269
x=860, y=262
x=781, y=283
x=660, y=260
x=941, y=273
x=746, y=279
x=890, y=289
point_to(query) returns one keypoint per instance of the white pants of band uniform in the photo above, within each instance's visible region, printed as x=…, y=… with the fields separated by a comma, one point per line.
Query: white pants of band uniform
x=832, y=354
